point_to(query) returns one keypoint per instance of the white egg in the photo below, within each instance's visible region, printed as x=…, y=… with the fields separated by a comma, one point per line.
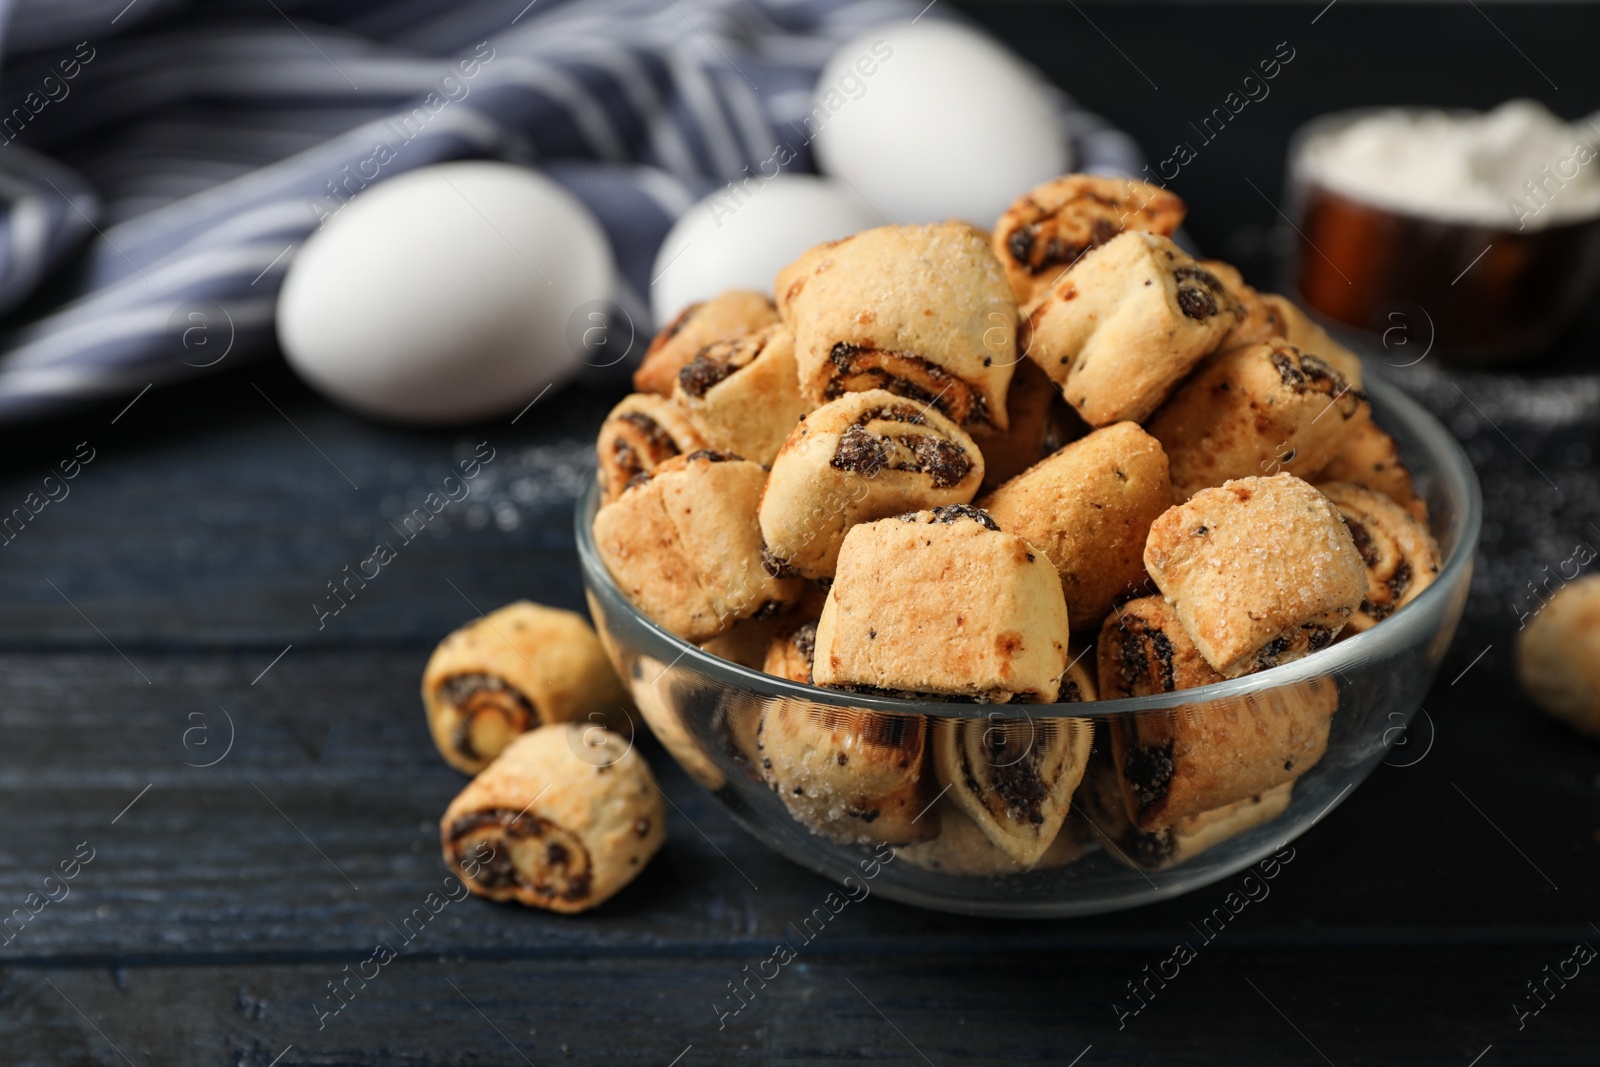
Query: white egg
x=933, y=121
x=740, y=237
x=445, y=294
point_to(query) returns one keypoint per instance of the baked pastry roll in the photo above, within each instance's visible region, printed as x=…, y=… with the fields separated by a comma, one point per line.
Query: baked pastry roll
x=1300, y=330
x=922, y=311
x=1125, y=325
x=1051, y=227
x=942, y=602
x=1259, y=320
x=522, y=666
x=1255, y=410
x=562, y=820
x=791, y=653
x=744, y=395
x=1013, y=777
x=1144, y=649
x=684, y=547
x=1261, y=571
x=1175, y=764
x=747, y=642
x=1078, y=685
x=863, y=456
x=1166, y=847
x=1089, y=508
x=1040, y=423
x=1402, y=557
x=726, y=317
x=857, y=777
x=1558, y=655
x=641, y=433
x=1368, y=456
x=962, y=848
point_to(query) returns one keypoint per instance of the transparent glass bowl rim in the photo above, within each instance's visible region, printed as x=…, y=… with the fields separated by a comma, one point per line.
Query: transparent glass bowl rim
x=1445, y=460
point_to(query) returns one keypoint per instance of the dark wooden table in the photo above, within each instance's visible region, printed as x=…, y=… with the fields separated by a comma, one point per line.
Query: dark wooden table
x=259, y=796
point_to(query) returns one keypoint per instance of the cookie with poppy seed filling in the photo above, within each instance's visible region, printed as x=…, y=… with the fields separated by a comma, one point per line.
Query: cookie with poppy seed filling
x=1261, y=571
x=1402, y=557
x=561, y=821
x=517, y=668
x=922, y=311
x=1013, y=777
x=642, y=432
x=684, y=547
x=1300, y=330
x=1252, y=411
x=1089, y=508
x=1120, y=329
x=726, y=317
x=744, y=395
x=1144, y=649
x=1260, y=320
x=1040, y=424
x=861, y=457
x=857, y=777
x=1049, y=228
x=1368, y=456
x=964, y=850
x=994, y=630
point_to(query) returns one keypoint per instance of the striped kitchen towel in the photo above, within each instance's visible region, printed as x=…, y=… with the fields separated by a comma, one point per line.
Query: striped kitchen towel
x=161, y=161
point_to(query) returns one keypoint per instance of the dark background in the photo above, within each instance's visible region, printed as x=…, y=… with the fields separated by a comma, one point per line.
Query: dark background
x=156, y=600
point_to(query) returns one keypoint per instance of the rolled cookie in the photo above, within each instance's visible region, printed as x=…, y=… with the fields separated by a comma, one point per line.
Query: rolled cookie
x=922, y=311
x=684, y=547
x=1040, y=423
x=1558, y=655
x=1255, y=411
x=641, y=433
x=1013, y=777
x=727, y=317
x=1089, y=508
x=857, y=777
x=1261, y=571
x=1144, y=649
x=964, y=850
x=1368, y=456
x=744, y=395
x=1259, y=321
x=1052, y=226
x=560, y=821
x=1402, y=557
x=942, y=602
x=1118, y=331
x=861, y=457
x=1300, y=330
x=791, y=653
x=512, y=670
x=1166, y=847
x=1175, y=764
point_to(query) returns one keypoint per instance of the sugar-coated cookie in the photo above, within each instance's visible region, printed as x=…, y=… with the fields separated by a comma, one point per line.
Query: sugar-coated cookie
x=1402, y=557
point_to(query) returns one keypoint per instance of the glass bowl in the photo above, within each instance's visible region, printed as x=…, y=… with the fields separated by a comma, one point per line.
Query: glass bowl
x=707, y=711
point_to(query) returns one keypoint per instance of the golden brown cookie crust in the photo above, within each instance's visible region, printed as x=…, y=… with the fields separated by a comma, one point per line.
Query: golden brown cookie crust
x=743, y=396
x=642, y=432
x=1558, y=655
x=725, y=317
x=1402, y=557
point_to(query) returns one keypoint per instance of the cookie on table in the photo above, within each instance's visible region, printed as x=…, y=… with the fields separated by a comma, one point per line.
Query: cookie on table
x=1052, y=226
x=1402, y=557
x=860, y=457
x=684, y=547
x=1120, y=329
x=943, y=603
x=1089, y=508
x=1040, y=422
x=1261, y=571
x=1260, y=320
x=744, y=395
x=1368, y=456
x=1252, y=411
x=642, y=432
x=515, y=669
x=1300, y=330
x=726, y=317
x=1172, y=765
x=566, y=817
x=1013, y=777
x=1558, y=655
x=1166, y=847
x=922, y=311
x=857, y=777
x=1144, y=649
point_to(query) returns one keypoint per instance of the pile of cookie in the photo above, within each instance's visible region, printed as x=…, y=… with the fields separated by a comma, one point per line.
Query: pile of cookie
x=947, y=464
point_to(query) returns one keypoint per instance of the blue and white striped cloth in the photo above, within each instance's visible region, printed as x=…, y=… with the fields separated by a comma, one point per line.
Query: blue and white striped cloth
x=162, y=160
